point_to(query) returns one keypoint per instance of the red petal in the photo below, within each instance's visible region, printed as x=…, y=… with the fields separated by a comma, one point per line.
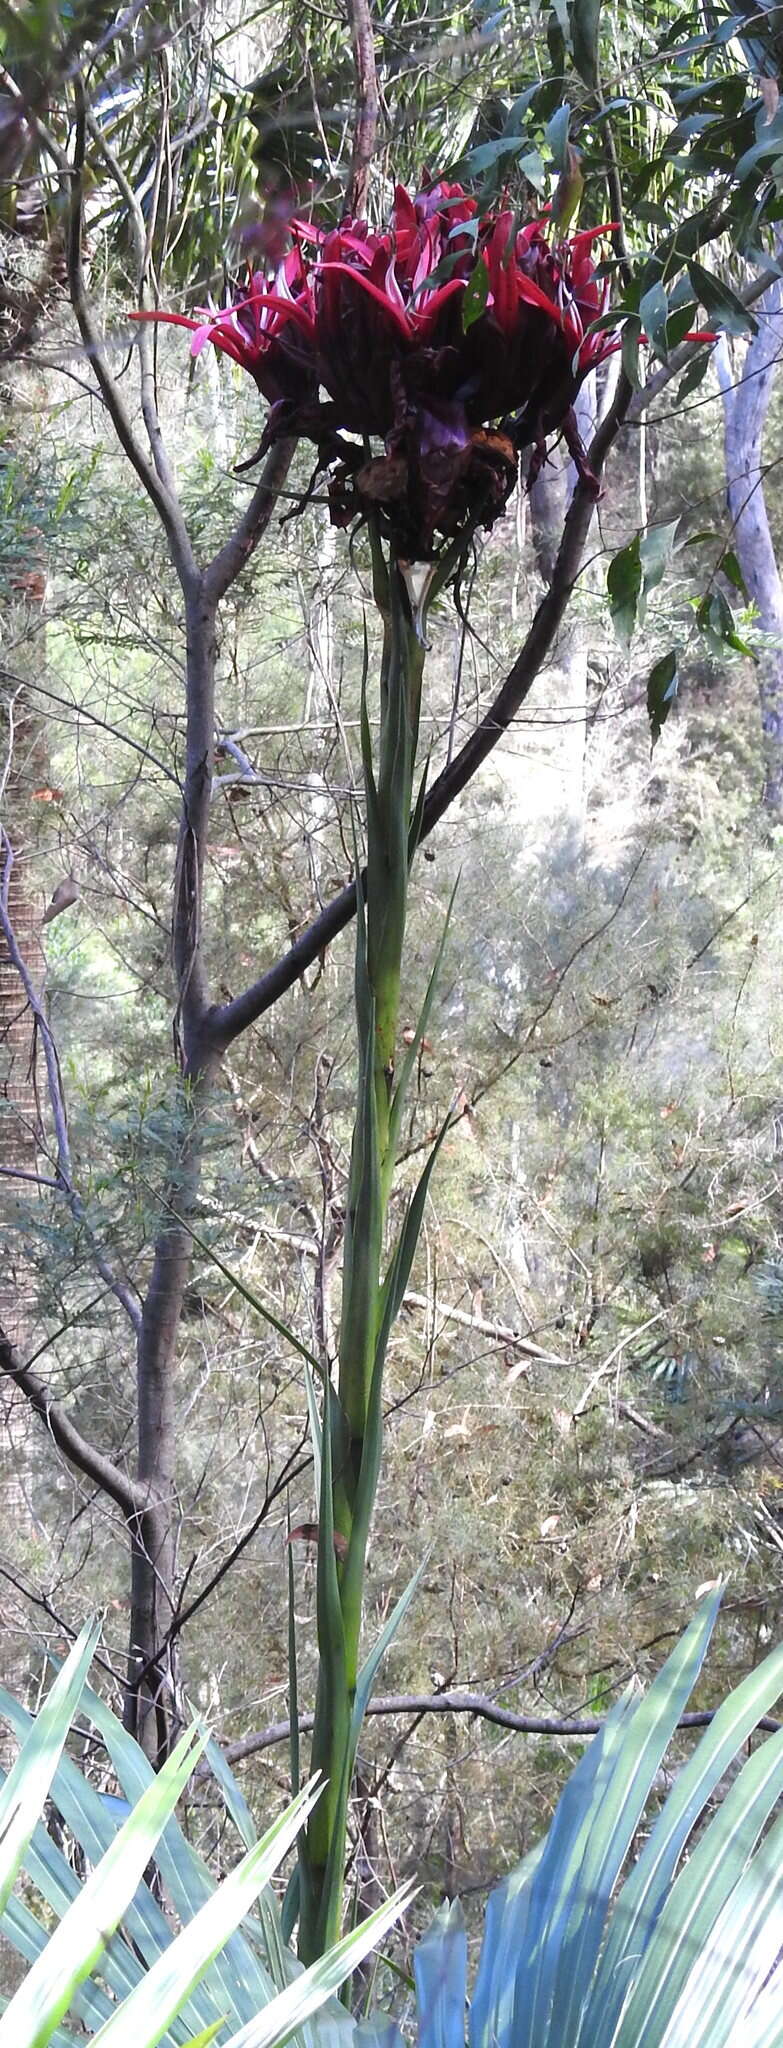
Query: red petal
x=372, y=291
x=170, y=319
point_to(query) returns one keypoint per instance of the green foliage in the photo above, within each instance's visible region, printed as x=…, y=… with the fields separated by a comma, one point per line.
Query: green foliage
x=114, y=1958
x=688, y=1948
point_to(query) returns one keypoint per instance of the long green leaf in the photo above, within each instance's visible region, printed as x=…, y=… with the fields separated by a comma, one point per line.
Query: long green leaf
x=440, y=1966
x=29, y=1937
x=764, y=2026
x=647, y=1887
x=332, y=1703
x=369, y=1669
x=94, y=1826
x=505, y=1936
x=314, y=1422
x=294, y=2005
x=123, y=1960
x=145, y=2016
x=237, y=1982
x=364, y=1684
x=578, y=1934
x=412, y=1051
x=27, y=1785
x=75, y=1946
x=399, y=1270
x=745, y=1943
x=557, y=1877
x=237, y=1807
x=682, y=1933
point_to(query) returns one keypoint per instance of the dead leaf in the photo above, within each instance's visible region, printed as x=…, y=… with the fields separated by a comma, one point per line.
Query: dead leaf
x=307, y=1532
x=47, y=796
x=30, y=583
x=409, y=1038
x=549, y=1525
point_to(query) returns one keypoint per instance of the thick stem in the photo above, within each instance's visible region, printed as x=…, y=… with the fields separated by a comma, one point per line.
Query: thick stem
x=354, y=1417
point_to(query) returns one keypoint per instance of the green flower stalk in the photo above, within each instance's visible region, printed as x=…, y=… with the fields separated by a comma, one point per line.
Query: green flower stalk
x=353, y=1415
x=421, y=362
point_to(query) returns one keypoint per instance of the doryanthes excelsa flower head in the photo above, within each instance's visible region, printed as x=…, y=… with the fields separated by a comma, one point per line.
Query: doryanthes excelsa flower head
x=455, y=339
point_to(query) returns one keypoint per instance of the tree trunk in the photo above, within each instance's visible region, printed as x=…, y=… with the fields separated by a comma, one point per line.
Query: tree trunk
x=745, y=407
x=151, y=1702
x=21, y=767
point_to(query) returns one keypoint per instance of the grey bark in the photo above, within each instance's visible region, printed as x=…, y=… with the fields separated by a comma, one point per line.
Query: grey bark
x=745, y=409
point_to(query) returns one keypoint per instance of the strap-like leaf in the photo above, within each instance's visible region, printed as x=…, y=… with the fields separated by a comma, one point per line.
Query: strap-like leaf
x=287, y=2012
x=745, y=1943
x=684, y=1928
x=75, y=1946
x=144, y=2017
x=26, y=1787
x=440, y=1966
x=412, y=1051
x=578, y=1933
x=237, y=1981
x=647, y=1887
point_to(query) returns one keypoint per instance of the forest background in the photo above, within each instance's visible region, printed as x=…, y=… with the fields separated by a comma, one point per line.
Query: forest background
x=582, y=1397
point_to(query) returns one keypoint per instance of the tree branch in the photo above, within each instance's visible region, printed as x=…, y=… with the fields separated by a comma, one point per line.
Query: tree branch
x=144, y=340
x=475, y=1703
x=165, y=503
x=290, y=1472
x=92, y=1463
x=242, y=543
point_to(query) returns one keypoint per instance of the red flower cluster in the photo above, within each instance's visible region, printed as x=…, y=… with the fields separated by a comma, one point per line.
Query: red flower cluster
x=420, y=337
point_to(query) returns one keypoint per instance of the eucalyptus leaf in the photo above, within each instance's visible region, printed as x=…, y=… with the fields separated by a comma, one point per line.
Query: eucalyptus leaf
x=662, y=685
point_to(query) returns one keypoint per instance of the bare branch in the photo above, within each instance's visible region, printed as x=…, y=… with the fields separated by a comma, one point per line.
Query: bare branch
x=165, y=503
x=85, y=1456
x=474, y=1703
x=144, y=342
x=242, y=543
x=290, y=1472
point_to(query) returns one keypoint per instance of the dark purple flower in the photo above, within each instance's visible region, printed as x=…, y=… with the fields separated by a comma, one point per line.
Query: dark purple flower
x=420, y=337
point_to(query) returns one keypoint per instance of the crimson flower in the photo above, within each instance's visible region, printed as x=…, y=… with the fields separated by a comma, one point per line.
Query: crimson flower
x=456, y=339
